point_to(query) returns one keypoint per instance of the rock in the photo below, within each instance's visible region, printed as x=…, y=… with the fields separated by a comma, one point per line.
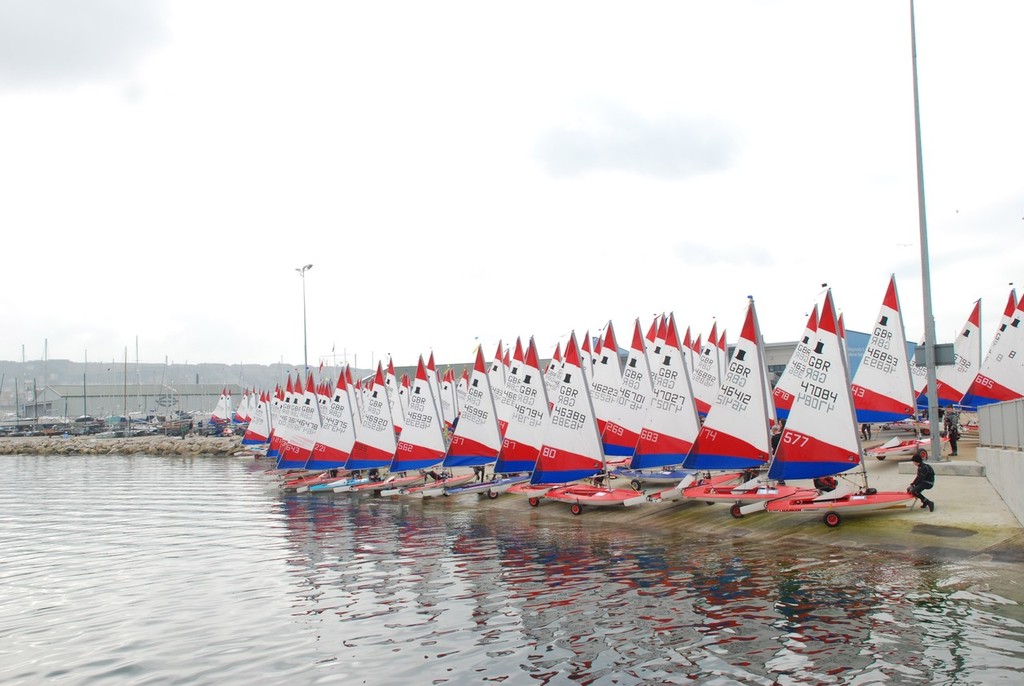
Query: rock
x=140, y=445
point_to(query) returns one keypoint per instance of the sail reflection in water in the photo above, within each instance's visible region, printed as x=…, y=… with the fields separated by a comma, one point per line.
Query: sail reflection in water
x=192, y=570
x=472, y=596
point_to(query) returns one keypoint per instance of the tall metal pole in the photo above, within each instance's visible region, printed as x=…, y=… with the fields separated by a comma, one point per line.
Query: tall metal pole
x=926, y=279
x=305, y=349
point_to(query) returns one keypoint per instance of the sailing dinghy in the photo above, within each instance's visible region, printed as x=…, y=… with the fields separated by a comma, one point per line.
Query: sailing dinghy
x=1001, y=377
x=671, y=424
x=477, y=437
x=572, y=448
x=821, y=437
x=734, y=443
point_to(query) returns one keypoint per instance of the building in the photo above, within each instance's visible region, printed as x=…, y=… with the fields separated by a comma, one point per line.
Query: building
x=104, y=400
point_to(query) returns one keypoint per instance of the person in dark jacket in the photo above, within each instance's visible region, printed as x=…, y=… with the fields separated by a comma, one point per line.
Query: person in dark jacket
x=924, y=480
x=954, y=436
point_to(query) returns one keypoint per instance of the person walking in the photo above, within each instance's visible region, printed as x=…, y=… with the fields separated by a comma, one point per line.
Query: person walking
x=924, y=480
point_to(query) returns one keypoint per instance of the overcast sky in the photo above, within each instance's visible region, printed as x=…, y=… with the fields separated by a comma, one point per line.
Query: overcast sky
x=463, y=172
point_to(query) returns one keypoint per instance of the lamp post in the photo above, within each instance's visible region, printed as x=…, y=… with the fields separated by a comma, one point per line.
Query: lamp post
x=926, y=278
x=305, y=354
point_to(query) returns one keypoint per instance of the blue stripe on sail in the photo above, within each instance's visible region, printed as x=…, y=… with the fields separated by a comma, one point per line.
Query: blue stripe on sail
x=366, y=464
x=656, y=460
x=613, y=450
x=467, y=460
x=412, y=465
x=879, y=417
x=729, y=462
x=973, y=401
x=325, y=464
x=559, y=476
x=514, y=466
x=781, y=413
x=291, y=464
x=806, y=470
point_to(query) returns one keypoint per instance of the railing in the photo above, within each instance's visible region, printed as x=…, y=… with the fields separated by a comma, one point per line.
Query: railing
x=1002, y=425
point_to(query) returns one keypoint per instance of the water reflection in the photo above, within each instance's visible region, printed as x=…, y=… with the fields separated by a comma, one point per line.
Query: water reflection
x=514, y=598
x=114, y=568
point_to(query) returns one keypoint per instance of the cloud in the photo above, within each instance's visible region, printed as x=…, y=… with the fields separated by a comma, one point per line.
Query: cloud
x=62, y=43
x=704, y=255
x=614, y=139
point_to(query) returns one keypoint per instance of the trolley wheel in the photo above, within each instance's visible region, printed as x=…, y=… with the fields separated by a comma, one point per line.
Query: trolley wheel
x=534, y=502
x=492, y=494
x=576, y=508
x=735, y=511
x=635, y=483
x=832, y=519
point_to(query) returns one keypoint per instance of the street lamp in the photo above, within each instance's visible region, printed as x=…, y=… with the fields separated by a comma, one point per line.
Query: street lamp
x=305, y=355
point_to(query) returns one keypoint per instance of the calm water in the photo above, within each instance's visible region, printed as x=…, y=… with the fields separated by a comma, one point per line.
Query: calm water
x=125, y=570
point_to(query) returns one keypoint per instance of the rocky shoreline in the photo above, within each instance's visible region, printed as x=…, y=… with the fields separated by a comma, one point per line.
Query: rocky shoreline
x=138, y=445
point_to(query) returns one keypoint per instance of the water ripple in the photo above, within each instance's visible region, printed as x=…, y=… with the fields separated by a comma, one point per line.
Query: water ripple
x=199, y=570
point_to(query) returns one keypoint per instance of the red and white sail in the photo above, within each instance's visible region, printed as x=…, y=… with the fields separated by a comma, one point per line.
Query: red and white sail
x=222, y=410
x=421, y=444
x=821, y=436
x=496, y=373
x=953, y=381
x=522, y=439
x=707, y=377
x=375, y=436
x=449, y=405
x=394, y=397
x=788, y=386
x=462, y=390
x=883, y=388
x=672, y=424
x=551, y=372
x=571, y=448
x=622, y=430
x=1002, y=375
x=305, y=424
x=606, y=378
x=477, y=437
x=258, y=431
x=337, y=432
x=736, y=431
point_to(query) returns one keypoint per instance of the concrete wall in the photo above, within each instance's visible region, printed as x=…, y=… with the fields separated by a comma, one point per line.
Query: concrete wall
x=1005, y=471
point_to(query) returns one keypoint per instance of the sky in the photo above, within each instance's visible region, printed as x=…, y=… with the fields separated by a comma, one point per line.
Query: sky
x=464, y=173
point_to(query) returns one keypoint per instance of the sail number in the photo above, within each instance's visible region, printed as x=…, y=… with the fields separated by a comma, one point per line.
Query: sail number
x=667, y=400
x=881, y=360
x=568, y=418
x=794, y=439
x=817, y=397
x=733, y=398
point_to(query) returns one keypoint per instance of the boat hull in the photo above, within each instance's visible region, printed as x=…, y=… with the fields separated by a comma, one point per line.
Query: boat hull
x=430, y=489
x=848, y=503
x=660, y=476
x=534, y=492
x=584, y=494
x=904, y=448
x=491, y=488
x=742, y=496
x=375, y=487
